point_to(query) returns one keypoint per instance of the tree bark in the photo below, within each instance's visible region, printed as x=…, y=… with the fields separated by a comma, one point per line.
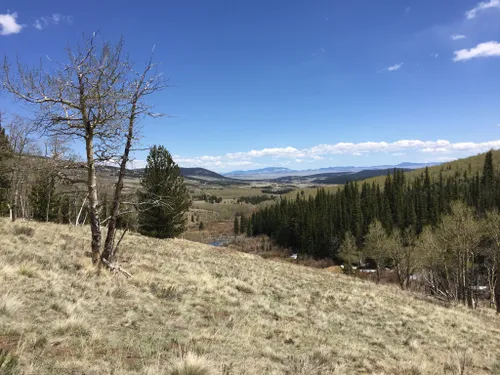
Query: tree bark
x=497, y=287
x=95, y=224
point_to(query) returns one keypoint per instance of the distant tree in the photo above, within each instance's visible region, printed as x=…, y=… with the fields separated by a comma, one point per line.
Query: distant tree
x=164, y=198
x=201, y=226
x=349, y=252
x=459, y=236
x=492, y=254
x=243, y=224
x=236, y=227
x=404, y=255
x=45, y=202
x=249, y=230
x=377, y=246
x=65, y=210
x=488, y=170
x=5, y=156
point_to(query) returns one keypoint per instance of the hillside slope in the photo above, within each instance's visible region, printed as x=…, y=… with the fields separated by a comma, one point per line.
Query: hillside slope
x=239, y=312
x=472, y=165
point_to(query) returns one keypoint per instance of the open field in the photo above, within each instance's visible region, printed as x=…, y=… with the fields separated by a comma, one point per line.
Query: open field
x=236, y=313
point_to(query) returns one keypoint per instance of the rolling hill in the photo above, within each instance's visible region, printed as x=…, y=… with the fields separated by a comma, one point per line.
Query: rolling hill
x=194, y=174
x=236, y=313
x=471, y=165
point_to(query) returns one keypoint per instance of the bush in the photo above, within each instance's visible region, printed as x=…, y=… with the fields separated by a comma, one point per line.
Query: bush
x=24, y=230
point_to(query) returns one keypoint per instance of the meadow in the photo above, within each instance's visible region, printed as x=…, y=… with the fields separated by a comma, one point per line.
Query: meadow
x=190, y=308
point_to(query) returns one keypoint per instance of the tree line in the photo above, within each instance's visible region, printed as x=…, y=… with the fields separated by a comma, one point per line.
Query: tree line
x=442, y=217
x=255, y=199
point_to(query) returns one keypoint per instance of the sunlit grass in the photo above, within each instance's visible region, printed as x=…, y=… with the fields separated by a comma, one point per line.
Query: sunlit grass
x=192, y=307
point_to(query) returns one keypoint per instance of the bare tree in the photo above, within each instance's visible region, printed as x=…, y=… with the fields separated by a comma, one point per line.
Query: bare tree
x=97, y=97
x=493, y=256
x=404, y=255
x=349, y=252
x=21, y=134
x=377, y=244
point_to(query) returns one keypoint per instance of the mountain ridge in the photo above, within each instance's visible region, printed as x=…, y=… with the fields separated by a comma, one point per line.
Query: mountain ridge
x=278, y=172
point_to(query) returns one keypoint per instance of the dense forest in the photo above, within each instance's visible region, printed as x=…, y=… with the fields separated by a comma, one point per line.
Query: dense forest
x=447, y=227
x=317, y=225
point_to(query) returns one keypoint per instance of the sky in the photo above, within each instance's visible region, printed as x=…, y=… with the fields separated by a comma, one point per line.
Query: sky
x=294, y=83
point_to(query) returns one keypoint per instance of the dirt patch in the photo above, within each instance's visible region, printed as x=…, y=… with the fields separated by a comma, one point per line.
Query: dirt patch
x=9, y=342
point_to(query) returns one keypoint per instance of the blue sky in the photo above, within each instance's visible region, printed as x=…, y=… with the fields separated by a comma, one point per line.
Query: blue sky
x=300, y=84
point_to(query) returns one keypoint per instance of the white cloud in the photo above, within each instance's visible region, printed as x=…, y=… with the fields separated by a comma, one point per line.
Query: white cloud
x=9, y=25
x=486, y=49
x=395, y=67
x=435, y=55
x=483, y=5
x=55, y=19
x=458, y=37
x=38, y=25
x=318, y=152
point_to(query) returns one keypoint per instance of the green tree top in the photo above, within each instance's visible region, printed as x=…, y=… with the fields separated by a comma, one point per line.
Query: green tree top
x=164, y=198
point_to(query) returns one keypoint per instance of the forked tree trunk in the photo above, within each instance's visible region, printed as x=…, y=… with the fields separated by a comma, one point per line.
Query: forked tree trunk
x=109, y=249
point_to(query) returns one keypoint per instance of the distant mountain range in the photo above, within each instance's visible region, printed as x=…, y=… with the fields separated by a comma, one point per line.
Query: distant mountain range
x=278, y=172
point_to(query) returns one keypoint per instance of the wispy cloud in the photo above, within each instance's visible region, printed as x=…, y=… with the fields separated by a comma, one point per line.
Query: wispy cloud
x=435, y=55
x=457, y=36
x=9, y=25
x=395, y=67
x=472, y=13
x=56, y=18
x=285, y=154
x=486, y=49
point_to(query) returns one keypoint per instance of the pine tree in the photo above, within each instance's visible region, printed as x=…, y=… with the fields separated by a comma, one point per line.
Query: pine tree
x=5, y=156
x=164, y=198
x=236, y=227
x=243, y=224
x=201, y=226
x=488, y=170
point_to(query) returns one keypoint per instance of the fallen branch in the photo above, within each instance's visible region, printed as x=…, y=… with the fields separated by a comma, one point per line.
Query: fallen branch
x=116, y=268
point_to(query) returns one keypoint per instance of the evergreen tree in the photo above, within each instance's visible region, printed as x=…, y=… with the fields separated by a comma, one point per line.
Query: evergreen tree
x=5, y=156
x=243, y=224
x=236, y=227
x=164, y=198
x=488, y=170
x=201, y=226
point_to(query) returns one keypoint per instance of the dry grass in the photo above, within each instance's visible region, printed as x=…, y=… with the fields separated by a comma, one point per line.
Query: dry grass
x=194, y=307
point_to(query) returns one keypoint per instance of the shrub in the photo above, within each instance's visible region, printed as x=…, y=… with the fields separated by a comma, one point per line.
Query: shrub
x=24, y=230
x=192, y=365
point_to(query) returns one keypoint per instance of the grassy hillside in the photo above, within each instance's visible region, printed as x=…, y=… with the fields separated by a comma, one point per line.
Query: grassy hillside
x=471, y=164
x=236, y=313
